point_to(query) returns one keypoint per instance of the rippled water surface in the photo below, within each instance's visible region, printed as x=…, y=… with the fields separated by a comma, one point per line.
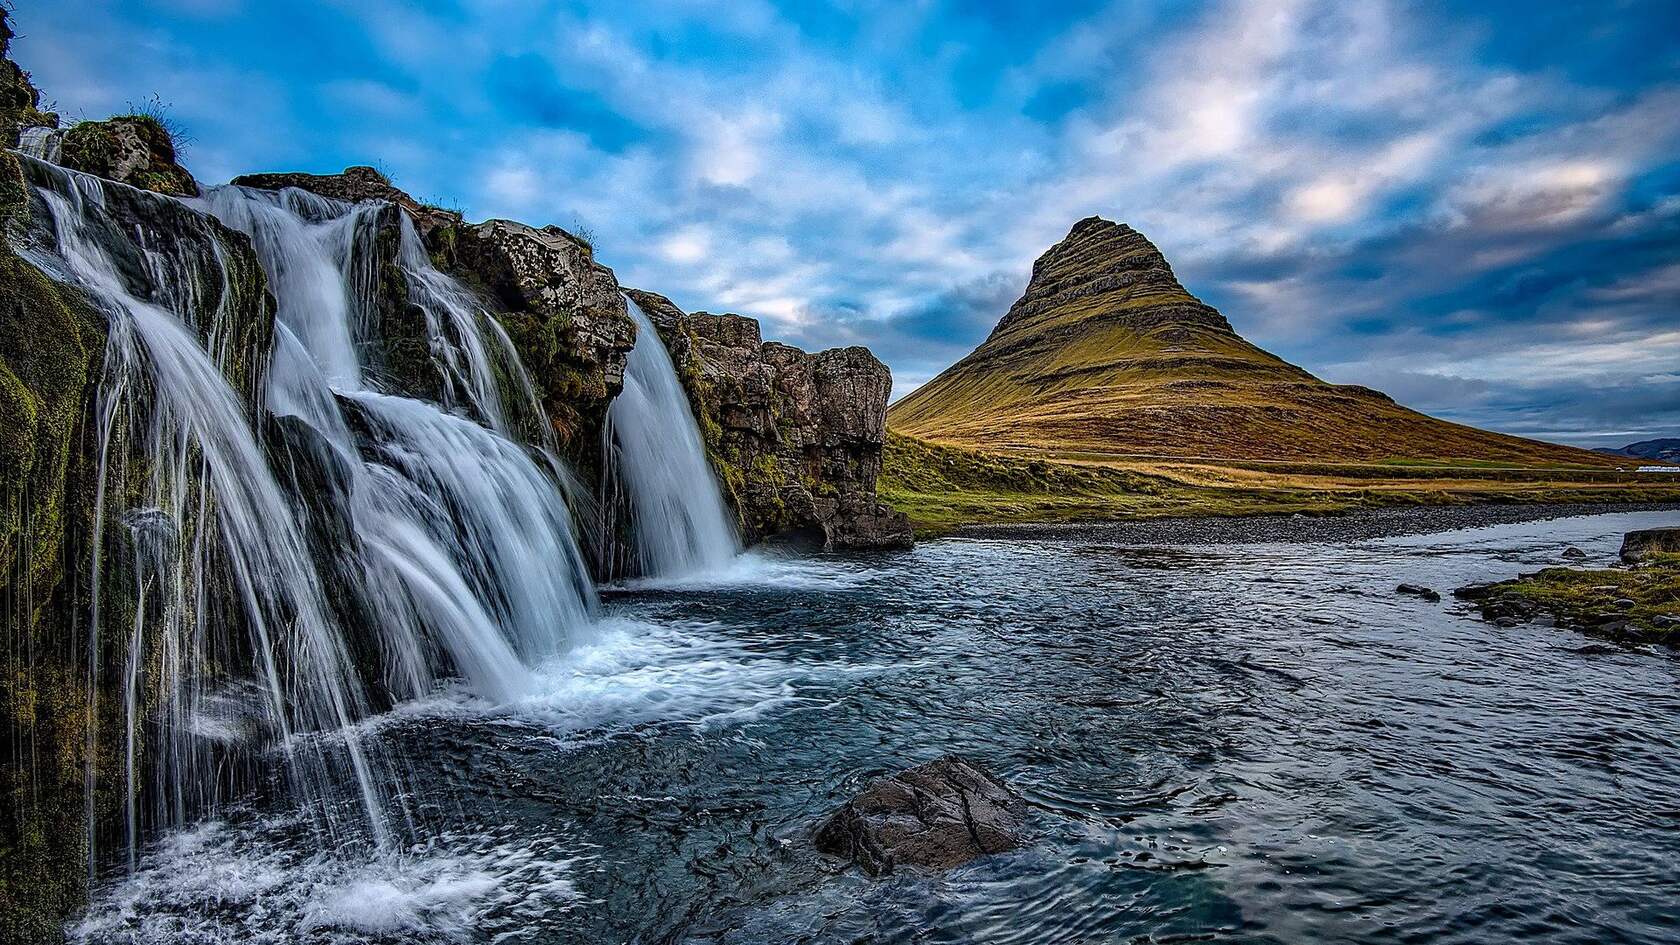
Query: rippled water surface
x=1246, y=742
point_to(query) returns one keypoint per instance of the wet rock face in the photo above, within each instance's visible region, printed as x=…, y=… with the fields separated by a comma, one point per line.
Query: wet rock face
x=132, y=149
x=796, y=437
x=563, y=310
x=933, y=816
x=355, y=185
x=1640, y=545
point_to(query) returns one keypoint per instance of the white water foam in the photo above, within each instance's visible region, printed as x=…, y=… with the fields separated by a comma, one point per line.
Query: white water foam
x=251, y=883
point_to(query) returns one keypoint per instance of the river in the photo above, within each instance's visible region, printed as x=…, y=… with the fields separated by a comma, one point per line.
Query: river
x=1253, y=741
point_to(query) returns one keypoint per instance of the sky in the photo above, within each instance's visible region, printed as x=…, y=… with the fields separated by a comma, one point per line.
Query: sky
x=1473, y=206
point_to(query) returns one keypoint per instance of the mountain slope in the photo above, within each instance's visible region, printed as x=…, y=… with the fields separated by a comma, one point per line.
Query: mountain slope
x=1106, y=352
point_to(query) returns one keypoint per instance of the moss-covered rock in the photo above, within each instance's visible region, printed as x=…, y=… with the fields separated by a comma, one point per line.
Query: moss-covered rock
x=1639, y=604
x=131, y=149
x=60, y=711
x=51, y=342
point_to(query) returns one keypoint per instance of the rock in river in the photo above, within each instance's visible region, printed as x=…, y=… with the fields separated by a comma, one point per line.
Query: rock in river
x=1418, y=590
x=937, y=815
x=1639, y=545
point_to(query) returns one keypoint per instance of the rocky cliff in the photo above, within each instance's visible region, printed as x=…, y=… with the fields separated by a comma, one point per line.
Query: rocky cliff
x=797, y=437
x=59, y=709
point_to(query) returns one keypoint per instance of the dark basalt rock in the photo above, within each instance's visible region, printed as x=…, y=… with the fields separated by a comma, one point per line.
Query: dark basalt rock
x=796, y=437
x=1418, y=590
x=1640, y=545
x=1573, y=553
x=933, y=816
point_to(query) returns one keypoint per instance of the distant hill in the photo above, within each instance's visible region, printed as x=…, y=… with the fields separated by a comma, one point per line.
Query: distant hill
x=1107, y=353
x=1664, y=450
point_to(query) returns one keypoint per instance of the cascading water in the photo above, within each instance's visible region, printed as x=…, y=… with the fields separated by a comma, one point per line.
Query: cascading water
x=41, y=142
x=207, y=514
x=679, y=522
x=468, y=543
x=369, y=539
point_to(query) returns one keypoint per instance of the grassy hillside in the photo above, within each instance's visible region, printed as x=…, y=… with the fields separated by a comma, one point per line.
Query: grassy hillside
x=1107, y=353
x=941, y=487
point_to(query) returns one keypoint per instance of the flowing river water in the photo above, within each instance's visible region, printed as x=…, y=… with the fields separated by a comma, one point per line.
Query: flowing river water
x=1255, y=741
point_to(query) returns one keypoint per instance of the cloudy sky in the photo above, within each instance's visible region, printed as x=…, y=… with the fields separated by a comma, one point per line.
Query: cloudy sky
x=1474, y=206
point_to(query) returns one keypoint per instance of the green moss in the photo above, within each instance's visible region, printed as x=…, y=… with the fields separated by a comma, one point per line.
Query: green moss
x=50, y=344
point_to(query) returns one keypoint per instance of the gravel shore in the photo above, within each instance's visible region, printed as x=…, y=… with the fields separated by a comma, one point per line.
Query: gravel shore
x=1357, y=525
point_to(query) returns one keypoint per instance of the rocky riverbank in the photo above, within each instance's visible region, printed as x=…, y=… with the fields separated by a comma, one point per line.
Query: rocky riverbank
x=1335, y=528
x=1636, y=603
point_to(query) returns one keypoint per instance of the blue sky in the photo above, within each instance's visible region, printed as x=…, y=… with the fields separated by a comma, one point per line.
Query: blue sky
x=1472, y=206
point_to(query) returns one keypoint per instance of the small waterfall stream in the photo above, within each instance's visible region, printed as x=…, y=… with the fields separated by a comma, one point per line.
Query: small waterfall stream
x=679, y=522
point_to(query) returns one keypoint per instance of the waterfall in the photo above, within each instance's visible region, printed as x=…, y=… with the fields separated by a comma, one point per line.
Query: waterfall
x=374, y=543
x=679, y=522
x=207, y=512
x=39, y=141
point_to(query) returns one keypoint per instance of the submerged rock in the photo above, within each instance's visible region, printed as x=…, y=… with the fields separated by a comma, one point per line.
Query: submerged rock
x=934, y=816
x=1641, y=545
x=1574, y=553
x=1418, y=590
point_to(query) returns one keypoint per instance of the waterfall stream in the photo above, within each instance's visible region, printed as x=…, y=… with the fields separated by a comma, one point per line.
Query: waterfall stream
x=679, y=523
x=374, y=543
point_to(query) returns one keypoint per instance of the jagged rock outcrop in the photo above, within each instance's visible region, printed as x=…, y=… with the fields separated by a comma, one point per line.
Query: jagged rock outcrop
x=563, y=310
x=131, y=149
x=796, y=437
x=355, y=185
x=933, y=816
x=1106, y=352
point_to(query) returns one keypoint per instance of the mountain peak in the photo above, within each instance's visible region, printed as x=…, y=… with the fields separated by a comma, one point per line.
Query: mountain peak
x=1107, y=353
x=1107, y=270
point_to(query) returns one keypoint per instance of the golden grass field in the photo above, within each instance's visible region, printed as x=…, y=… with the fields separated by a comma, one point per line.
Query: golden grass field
x=943, y=487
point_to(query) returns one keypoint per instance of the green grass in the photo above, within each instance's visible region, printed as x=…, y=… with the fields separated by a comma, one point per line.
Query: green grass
x=941, y=488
